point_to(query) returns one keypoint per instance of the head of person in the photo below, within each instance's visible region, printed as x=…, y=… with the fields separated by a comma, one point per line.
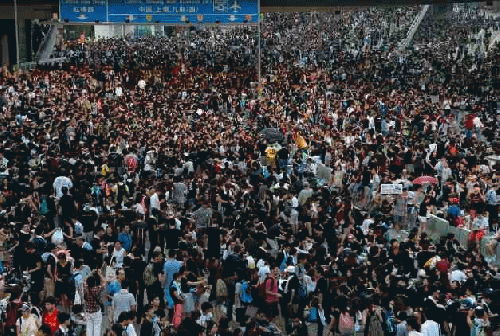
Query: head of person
x=118, y=246
x=120, y=275
x=155, y=303
x=50, y=304
x=62, y=257
x=30, y=248
x=149, y=312
x=206, y=308
x=25, y=310
x=64, y=319
x=413, y=324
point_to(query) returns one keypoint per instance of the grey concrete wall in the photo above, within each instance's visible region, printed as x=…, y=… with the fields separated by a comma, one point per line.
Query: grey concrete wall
x=25, y=12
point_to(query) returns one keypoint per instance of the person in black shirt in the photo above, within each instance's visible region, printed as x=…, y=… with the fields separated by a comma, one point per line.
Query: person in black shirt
x=33, y=265
x=283, y=159
x=135, y=274
x=110, y=235
x=155, y=290
x=67, y=205
x=172, y=236
x=88, y=219
x=148, y=323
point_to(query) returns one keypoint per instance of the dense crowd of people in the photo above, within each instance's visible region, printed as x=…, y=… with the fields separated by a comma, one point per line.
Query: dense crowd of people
x=156, y=187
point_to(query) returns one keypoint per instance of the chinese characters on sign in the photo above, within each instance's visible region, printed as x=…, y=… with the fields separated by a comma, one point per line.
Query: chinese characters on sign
x=160, y=11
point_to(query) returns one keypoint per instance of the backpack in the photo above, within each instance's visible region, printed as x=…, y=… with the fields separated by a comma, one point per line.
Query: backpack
x=302, y=291
x=78, y=229
x=149, y=276
x=221, y=290
x=72, y=285
x=346, y=323
x=246, y=296
x=43, y=209
x=390, y=322
x=313, y=315
x=477, y=329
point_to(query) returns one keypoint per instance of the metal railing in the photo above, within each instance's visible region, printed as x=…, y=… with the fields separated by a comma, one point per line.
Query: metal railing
x=413, y=29
x=24, y=66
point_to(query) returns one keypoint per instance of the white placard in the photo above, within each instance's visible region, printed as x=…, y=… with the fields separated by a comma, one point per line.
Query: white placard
x=391, y=189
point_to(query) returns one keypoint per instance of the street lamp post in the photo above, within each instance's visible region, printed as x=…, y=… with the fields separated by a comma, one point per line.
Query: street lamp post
x=16, y=31
x=258, y=41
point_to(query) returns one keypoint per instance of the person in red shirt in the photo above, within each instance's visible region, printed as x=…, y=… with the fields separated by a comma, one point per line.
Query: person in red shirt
x=13, y=307
x=272, y=297
x=50, y=316
x=443, y=266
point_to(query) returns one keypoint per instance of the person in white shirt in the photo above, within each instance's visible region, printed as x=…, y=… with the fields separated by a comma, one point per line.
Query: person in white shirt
x=205, y=315
x=154, y=201
x=141, y=84
x=365, y=227
x=294, y=214
x=264, y=269
x=126, y=320
x=458, y=275
x=429, y=327
x=123, y=301
x=59, y=183
x=480, y=222
x=28, y=323
x=118, y=255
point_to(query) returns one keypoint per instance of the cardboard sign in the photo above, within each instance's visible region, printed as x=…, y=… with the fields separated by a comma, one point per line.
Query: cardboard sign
x=391, y=189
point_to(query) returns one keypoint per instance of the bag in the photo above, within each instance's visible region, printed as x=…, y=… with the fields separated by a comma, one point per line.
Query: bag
x=346, y=324
x=43, y=208
x=78, y=229
x=72, y=292
x=313, y=315
x=375, y=327
x=177, y=317
x=246, y=296
x=57, y=237
x=302, y=291
x=149, y=277
x=78, y=299
x=477, y=329
x=221, y=292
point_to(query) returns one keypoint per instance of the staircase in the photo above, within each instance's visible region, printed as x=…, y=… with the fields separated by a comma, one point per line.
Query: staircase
x=495, y=38
x=47, y=46
x=413, y=29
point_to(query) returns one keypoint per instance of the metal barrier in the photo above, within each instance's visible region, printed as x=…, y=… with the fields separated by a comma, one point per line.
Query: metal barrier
x=437, y=227
x=24, y=66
